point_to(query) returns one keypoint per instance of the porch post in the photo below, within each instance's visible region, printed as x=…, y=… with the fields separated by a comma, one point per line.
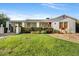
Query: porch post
x=18, y=29
x=23, y=24
x=7, y=26
x=37, y=24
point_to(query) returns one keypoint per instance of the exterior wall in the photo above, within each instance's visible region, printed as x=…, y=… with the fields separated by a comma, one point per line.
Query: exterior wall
x=55, y=25
x=71, y=25
x=1, y=29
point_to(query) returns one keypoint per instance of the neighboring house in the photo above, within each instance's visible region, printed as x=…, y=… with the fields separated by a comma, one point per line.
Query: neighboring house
x=64, y=23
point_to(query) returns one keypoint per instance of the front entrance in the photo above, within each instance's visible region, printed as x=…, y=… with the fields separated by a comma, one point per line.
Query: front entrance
x=10, y=28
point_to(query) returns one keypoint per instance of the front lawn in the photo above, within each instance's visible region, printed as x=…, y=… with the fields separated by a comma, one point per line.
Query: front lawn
x=37, y=45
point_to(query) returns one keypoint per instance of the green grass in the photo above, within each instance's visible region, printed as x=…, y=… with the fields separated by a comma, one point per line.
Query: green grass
x=37, y=45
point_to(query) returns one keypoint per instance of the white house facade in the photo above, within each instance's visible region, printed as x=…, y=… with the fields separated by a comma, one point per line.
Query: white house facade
x=64, y=23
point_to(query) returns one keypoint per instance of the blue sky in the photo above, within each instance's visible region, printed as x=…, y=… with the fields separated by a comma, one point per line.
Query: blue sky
x=22, y=11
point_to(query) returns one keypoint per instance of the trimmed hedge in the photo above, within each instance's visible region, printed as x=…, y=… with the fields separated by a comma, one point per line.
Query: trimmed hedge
x=56, y=31
x=39, y=30
x=36, y=30
x=25, y=30
x=49, y=30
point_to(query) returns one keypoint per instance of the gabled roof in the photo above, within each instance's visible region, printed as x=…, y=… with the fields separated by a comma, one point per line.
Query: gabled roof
x=47, y=20
x=63, y=17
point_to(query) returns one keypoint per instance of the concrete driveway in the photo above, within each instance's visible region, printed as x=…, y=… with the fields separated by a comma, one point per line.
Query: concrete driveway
x=5, y=35
x=67, y=37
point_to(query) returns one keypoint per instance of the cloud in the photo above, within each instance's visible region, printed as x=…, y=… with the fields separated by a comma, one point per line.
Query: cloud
x=18, y=16
x=54, y=6
x=13, y=15
x=25, y=16
x=40, y=16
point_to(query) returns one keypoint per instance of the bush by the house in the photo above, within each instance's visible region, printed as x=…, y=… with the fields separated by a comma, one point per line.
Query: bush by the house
x=49, y=30
x=56, y=31
x=33, y=29
x=37, y=30
x=43, y=32
x=25, y=30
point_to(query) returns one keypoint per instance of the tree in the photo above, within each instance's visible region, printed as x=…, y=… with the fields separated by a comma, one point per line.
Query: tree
x=3, y=19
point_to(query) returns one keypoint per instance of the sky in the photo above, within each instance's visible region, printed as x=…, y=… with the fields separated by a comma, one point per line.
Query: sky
x=23, y=11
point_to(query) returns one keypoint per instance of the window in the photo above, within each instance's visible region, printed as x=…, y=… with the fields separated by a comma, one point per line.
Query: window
x=28, y=25
x=31, y=24
x=63, y=25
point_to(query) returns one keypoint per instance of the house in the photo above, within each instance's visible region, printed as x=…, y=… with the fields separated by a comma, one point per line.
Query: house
x=63, y=23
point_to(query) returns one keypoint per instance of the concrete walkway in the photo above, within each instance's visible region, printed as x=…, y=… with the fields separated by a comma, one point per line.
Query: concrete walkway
x=67, y=37
x=5, y=35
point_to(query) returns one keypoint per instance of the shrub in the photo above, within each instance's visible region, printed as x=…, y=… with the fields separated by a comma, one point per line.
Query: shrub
x=49, y=30
x=33, y=29
x=25, y=30
x=36, y=30
x=40, y=29
x=43, y=32
x=56, y=31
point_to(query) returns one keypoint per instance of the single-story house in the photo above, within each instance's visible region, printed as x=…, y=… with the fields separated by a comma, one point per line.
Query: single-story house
x=63, y=23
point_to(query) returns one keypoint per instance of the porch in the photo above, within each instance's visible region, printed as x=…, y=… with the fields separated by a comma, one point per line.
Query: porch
x=36, y=24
